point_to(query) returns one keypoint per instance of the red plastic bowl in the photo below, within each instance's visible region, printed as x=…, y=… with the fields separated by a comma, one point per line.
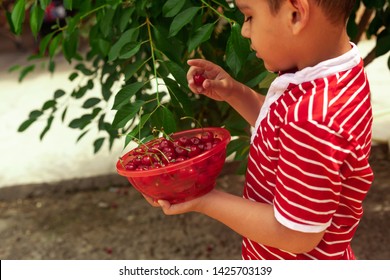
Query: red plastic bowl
x=181, y=181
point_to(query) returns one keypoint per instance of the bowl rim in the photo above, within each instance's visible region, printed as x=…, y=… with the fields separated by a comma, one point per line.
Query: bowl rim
x=169, y=168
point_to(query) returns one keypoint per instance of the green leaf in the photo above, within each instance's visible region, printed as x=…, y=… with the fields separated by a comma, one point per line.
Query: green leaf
x=127, y=113
x=44, y=3
x=68, y=4
x=70, y=45
x=163, y=118
x=73, y=76
x=125, y=94
x=179, y=96
x=59, y=93
x=81, y=122
x=127, y=37
x=81, y=135
x=17, y=16
x=172, y=7
x=237, y=49
x=129, y=50
x=177, y=72
x=201, y=35
x=240, y=147
x=63, y=115
x=89, y=103
x=382, y=45
x=47, y=127
x=388, y=63
x=104, y=46
x=83, y=69
x=105, y=24
x=44, y=43
x=125, y=18
x=80, y=92
x=35, y=114
x=26, y=124
x=54, y=44
x=132, y=68
x=49, y=104
x=36, y=19
x=25, y=71
x=135, y=133
x=98, y=144
x=257, y=80
x=182, y=19
x=164, y=44
x=267, y=81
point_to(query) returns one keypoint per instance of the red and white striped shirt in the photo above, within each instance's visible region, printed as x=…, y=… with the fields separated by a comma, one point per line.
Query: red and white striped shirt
x=309, y=156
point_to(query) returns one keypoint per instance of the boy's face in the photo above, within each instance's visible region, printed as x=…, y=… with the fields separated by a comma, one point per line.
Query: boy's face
x=269, y=34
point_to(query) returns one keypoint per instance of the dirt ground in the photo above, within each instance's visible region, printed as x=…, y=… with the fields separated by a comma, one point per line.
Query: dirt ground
x=104, y=218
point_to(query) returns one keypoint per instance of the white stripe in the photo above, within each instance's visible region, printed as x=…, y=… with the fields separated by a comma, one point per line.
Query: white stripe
x=340, y=79
x=309, y=174
x=311, y=101
x=347, y=103
x=326, y=100
x=334, y=172
x=310, y=187
x=313, y=228
x=356, y=109
x=320, y=140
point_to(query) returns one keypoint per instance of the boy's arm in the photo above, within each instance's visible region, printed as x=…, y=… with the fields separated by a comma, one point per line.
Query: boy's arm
x=253, y=220
x=220, y=86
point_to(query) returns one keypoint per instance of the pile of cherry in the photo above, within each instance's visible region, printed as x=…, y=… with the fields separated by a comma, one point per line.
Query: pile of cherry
x=165, y=151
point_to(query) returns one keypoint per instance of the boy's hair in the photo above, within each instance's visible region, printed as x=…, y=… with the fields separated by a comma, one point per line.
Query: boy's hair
x=335, y=9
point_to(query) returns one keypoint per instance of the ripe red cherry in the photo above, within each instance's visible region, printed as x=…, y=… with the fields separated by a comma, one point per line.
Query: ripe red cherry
x=199, y=79
x=207, y=136
x=194, y=151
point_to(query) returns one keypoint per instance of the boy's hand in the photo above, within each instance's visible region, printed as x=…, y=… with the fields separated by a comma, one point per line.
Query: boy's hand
x=175, y=209
x=217, y=84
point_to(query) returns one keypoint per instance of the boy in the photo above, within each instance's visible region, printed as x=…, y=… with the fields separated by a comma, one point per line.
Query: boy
x=308, y=169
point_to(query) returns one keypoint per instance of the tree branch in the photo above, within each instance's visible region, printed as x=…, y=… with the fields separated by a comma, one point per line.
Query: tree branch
x=362, y=25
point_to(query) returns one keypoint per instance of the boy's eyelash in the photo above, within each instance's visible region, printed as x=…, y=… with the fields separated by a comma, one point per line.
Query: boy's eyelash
x=247, y=19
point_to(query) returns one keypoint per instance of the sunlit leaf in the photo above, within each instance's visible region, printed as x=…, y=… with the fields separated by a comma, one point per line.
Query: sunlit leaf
x=36, y=19
x=17, y=16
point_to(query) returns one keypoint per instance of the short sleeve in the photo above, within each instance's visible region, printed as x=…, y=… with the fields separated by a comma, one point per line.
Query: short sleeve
x=308, y=184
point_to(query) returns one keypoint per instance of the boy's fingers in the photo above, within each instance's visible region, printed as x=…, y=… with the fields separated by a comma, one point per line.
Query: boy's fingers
x=165, y=205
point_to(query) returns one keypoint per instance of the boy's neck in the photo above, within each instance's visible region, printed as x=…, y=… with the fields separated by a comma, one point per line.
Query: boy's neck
x=322, y=41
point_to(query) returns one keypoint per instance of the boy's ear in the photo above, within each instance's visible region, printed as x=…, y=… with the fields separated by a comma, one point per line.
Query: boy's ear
x=299, y=14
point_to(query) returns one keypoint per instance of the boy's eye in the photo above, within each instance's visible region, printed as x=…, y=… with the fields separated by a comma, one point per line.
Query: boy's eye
x=247, y=19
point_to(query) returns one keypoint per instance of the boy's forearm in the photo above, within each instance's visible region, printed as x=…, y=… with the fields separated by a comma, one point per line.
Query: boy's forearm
x=246, y=102
x=256, y=221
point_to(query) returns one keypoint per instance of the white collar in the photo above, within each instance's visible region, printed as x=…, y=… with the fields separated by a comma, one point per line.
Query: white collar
x=323, y=69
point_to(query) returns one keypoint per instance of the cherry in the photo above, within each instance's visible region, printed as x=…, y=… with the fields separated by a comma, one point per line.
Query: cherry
x=130, y=166
x=165, y=143
x=147, y=160
x=199, y=79
x=183, y=141
x=195, y=140
x=181, y=151
x=194, y=151
x=207, y=136
x=166, y=151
